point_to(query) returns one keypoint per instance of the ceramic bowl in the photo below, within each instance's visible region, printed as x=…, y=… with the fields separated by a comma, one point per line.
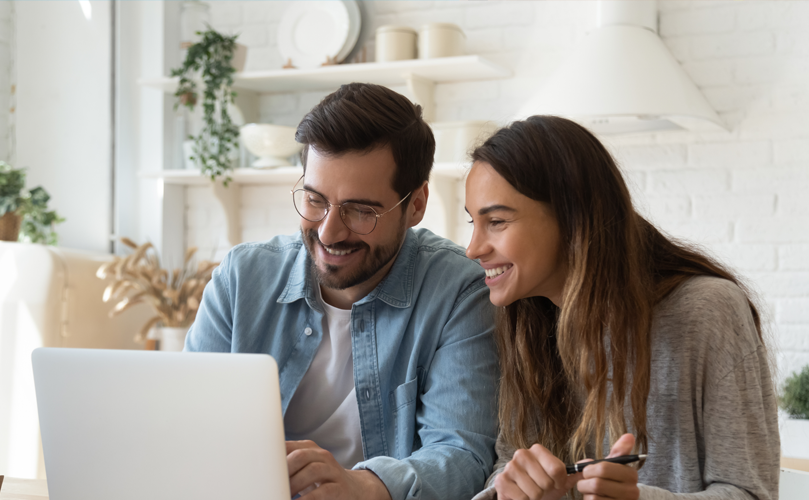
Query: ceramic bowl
x=273, y=144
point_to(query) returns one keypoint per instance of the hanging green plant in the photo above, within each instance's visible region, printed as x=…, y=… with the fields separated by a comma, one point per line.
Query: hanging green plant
x=211, y=57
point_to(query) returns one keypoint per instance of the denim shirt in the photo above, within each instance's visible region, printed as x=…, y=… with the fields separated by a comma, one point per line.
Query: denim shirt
x=425, y=365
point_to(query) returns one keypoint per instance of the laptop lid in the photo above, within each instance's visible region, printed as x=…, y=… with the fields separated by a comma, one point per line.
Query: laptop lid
x=138, y=424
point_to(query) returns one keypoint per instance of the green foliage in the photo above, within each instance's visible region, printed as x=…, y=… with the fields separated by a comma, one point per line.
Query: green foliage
x=37, y=221
x=12, y=182
x=795, y=394
x=32, y=205
x=212, y=57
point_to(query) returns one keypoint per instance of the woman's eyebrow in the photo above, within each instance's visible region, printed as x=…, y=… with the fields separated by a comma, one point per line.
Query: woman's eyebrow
x=495, y=208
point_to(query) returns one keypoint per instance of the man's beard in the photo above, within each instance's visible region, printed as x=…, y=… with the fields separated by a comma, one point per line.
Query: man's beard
x=375, y=261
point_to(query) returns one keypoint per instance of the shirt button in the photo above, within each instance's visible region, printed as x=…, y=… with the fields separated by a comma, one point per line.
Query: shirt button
x=367, y=394
x=307, y=331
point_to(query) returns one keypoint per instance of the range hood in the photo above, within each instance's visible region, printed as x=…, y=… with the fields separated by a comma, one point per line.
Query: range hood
x=623, y=79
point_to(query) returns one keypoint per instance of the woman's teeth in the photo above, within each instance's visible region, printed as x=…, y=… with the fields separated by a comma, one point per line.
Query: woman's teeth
x=491, y=273
x=339, y=252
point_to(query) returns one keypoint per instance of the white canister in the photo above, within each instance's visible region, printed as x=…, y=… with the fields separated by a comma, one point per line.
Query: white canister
x=441, y=40
x=395, y=43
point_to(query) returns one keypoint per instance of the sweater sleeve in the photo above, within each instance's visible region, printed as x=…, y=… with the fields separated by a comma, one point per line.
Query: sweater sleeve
x=504, y=453
x=741, y=442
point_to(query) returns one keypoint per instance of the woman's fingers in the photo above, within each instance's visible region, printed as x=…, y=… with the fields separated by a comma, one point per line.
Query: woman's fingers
x=610, y=480
x=553, y=469
x=604, y=488
x=623, y=446
x=533, y=474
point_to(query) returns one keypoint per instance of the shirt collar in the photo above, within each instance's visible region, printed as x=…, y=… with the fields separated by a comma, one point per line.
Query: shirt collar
x=396, y=289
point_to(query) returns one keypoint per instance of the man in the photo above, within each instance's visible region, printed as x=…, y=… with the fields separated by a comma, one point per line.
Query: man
x=382, y=333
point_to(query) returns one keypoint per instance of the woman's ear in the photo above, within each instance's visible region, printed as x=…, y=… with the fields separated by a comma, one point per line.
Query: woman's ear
x=418, y=205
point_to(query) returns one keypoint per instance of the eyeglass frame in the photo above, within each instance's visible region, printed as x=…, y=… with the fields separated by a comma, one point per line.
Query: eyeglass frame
x=342, y=216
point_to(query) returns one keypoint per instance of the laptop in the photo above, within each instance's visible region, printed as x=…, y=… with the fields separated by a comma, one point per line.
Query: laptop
x=121, y=425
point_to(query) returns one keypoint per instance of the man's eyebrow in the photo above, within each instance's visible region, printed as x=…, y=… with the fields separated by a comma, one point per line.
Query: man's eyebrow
x=495, y=208
x=361, y=201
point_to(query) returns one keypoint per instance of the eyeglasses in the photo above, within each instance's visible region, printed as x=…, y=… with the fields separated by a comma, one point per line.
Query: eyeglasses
x=357, y=217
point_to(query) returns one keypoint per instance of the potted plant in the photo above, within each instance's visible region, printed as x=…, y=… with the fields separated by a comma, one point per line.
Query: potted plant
x=24, y=214
x=212, y=57
x=794, y=401
x=173, y=295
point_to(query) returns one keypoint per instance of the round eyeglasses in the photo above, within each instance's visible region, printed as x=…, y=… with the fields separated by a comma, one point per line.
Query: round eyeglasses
x=357, y=217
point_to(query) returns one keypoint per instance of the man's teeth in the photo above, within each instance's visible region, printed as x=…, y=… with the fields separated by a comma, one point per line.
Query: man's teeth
x=339, y=252
x=491, y=273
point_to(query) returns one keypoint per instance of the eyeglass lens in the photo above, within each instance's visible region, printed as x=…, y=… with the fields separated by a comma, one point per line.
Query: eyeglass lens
x=311, y=206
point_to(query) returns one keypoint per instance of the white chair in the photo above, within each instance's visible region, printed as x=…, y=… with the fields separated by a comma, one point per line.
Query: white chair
x=794, y=485
x=49, y=297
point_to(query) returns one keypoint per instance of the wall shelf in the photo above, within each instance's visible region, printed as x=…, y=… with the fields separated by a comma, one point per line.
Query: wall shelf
x=438, y=70
x=278, y=175
x=443, y=185
x=419, y=75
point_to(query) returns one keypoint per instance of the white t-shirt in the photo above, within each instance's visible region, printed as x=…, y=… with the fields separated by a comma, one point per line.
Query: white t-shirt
x=324, y=408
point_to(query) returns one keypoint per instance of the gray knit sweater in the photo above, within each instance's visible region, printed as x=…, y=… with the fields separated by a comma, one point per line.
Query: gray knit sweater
x=711, y=415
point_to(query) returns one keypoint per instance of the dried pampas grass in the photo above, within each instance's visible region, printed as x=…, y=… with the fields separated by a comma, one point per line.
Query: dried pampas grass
x=138, y=279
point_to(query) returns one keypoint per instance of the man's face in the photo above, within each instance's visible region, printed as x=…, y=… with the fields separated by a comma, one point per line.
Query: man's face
x=341, y=258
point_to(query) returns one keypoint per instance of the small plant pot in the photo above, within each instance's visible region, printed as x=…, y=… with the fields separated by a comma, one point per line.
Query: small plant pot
x=795, y=438
x=10, y=226
x=171, y=339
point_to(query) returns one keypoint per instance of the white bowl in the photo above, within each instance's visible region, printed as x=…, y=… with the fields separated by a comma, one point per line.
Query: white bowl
x=273, y=144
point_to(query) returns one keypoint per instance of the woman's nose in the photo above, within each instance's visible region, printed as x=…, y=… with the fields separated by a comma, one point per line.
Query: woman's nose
x=476, y=246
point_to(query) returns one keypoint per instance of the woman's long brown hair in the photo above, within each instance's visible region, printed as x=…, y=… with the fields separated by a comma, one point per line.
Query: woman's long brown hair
x=570, y=373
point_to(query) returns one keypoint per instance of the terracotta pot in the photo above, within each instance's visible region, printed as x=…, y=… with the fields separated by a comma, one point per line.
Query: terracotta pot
x=10, y=226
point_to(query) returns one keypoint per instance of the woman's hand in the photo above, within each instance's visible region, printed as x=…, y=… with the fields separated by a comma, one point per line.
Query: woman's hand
x=606, y=480
x=534, y=474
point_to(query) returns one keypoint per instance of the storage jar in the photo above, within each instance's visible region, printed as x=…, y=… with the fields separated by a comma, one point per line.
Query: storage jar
x=395, y=43
x=441, y=40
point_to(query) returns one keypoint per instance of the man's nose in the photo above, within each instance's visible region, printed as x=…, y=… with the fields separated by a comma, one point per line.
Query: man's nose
x=332, y=229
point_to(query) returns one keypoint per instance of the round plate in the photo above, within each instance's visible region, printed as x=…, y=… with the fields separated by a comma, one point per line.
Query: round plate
x=354, y=25
x=311, y=32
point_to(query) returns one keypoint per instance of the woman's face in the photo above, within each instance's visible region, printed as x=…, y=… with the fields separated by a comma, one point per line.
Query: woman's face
x=516, y=239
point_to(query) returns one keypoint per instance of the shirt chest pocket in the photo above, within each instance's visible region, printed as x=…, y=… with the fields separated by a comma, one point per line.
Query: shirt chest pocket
x=403, y=400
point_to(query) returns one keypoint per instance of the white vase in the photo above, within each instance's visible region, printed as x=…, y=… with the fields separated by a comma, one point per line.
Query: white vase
x=795, y=438
x=170, y=338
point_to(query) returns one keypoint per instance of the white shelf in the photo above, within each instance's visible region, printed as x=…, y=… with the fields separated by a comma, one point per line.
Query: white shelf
x=279, y=175
x=443, y=181
x=438, y=70
x=193, y=177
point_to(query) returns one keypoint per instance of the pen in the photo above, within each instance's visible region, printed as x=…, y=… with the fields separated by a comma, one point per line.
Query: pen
x=624, y=459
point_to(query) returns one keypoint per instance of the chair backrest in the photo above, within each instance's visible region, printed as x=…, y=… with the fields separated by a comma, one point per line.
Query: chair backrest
x=794, y=485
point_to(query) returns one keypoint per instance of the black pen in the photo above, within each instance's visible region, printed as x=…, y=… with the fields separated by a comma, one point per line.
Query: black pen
x=624, y=459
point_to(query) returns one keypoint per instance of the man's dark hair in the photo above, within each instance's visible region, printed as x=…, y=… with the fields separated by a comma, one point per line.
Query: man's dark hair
x=361, y=117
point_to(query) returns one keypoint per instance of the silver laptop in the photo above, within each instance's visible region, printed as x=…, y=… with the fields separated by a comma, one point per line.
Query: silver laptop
x=120, y=425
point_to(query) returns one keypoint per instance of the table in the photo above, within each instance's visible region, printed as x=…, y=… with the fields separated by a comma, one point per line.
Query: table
x=24, y=489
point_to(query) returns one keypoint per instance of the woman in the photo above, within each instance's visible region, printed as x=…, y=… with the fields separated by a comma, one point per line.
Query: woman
x=613, y=338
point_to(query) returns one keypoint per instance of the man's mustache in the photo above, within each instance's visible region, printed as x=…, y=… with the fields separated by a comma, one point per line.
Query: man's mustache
x=311, y=234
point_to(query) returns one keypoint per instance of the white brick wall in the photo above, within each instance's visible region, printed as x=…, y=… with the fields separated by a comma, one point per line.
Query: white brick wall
x=6, y=61
x=740, y=194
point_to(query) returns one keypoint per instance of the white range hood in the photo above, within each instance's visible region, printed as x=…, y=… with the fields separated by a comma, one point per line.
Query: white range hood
x=623, y=79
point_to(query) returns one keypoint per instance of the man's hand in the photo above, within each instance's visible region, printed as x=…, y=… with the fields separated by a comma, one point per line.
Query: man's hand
x=534, y=474
x=608, y=480
x=315, y=472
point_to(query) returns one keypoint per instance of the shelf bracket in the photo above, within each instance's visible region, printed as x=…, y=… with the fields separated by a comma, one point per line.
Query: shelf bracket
x=229, y=197
x=446, y=189
x=422, y=92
